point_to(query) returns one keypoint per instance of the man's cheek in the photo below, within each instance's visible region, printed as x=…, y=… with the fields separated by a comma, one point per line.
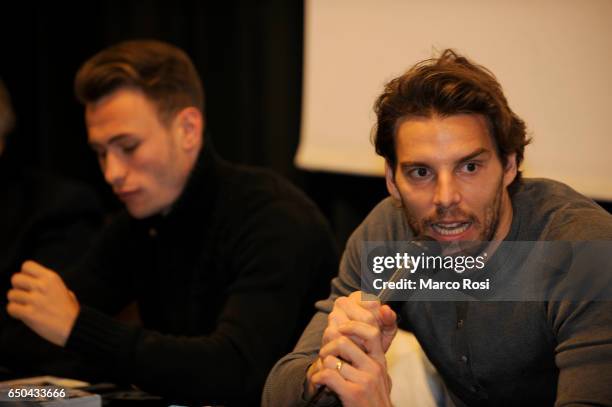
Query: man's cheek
x=417, y=219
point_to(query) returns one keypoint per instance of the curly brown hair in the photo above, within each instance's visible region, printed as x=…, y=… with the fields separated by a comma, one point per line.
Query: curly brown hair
x=447, y=85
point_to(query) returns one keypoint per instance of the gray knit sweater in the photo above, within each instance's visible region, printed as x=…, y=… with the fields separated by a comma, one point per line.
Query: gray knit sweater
x=501, y=353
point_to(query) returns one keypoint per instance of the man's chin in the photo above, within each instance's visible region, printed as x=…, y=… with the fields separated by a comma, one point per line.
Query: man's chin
x=140, y=212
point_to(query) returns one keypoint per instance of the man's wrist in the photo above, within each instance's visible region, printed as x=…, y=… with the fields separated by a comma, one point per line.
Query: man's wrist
x=70, y=328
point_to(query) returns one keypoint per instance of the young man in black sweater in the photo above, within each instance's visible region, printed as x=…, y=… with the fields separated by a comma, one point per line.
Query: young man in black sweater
x=222, y=260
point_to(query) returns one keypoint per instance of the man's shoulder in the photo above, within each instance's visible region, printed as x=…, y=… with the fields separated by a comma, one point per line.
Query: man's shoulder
x=386, y=222
x=546, y=188
x=558, y=212
x=48, y=191
x=249, y=188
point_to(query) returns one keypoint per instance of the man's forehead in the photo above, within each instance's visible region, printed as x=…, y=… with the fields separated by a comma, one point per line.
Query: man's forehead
x=104, y=132
x=122, y=113
x=437, y=137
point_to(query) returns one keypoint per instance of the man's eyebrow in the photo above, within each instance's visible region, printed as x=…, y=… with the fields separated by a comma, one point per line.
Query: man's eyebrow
x=473, y=155
x=468, y=157
x=112, y=140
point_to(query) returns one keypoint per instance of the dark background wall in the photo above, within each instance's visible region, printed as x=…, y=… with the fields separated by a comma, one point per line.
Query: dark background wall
x=249, y=54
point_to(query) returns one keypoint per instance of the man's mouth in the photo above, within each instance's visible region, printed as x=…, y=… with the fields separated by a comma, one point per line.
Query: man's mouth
x=126, y=194
x=450, y=228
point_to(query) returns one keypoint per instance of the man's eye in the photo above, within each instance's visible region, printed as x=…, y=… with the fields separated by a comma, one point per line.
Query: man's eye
x=419, y=173
x=128, y=149
x=470, y=167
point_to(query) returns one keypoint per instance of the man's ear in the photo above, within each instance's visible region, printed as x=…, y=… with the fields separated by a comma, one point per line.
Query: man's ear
x=390, y=179
x=190, y=124
x=510, y=170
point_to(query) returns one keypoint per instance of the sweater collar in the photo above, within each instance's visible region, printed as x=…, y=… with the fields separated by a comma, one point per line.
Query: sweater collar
x=199, y=193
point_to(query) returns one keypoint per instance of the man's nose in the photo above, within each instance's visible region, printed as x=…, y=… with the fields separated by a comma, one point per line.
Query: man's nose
x=447, y=192
x=114, y=170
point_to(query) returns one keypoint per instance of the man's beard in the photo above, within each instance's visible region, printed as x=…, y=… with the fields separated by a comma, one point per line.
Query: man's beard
x=489, y=224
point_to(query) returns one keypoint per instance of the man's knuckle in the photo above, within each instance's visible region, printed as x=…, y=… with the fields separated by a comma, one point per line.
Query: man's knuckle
x=341, y=302
x=375, y=334
x=350, y=325
x=332, y=317
x=325, y=374
x=329, y=361
x=369, y=319
x=343, y=341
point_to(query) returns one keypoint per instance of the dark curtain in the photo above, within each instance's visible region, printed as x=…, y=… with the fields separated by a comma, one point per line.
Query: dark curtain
x=248, y=53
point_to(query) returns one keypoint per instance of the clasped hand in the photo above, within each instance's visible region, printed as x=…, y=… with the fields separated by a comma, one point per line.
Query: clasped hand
x=41, y=300
x=352, y=360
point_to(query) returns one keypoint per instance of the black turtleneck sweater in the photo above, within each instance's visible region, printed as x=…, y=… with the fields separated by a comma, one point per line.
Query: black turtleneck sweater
x=225, y=283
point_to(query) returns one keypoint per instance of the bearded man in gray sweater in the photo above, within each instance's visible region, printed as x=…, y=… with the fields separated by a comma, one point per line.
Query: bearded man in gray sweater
x=453, y=148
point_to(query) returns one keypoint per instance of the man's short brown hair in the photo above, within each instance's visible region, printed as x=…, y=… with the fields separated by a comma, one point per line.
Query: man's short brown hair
x=163, y=72
x=448, y=85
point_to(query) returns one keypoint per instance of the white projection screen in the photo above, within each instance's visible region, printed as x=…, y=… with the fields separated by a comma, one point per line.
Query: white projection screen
x=553, y=59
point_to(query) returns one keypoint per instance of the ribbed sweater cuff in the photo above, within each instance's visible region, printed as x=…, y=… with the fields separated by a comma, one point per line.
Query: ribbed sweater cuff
x=99, y=336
